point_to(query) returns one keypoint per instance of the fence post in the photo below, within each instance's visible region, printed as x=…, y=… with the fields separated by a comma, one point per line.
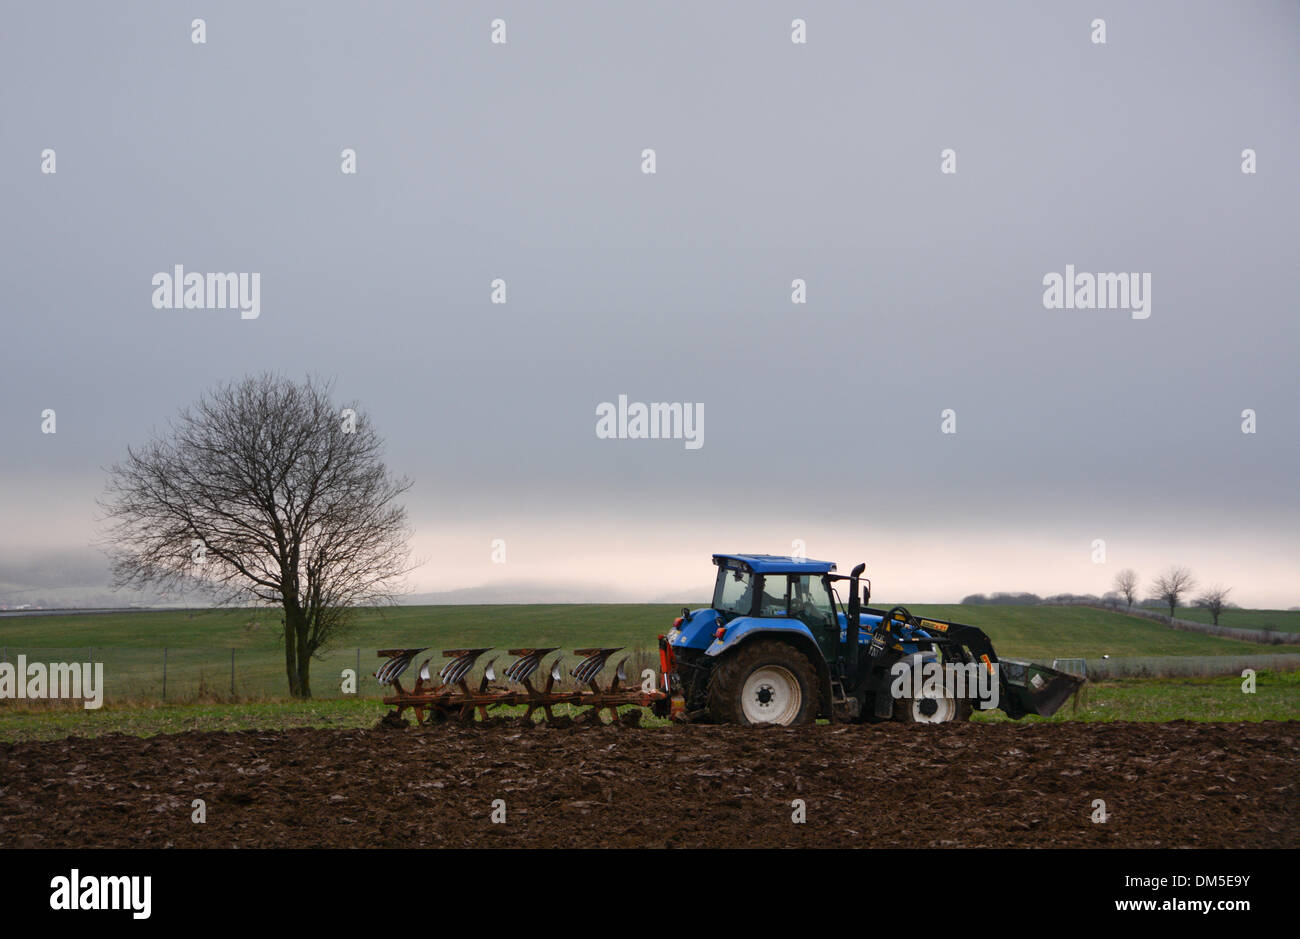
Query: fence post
x=232, y=673
x=164, y=694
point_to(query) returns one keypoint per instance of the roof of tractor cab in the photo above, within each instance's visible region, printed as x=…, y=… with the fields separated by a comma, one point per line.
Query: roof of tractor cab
x=774, y=564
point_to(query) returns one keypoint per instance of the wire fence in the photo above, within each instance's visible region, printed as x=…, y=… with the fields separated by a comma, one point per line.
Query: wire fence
x=184, y=674
x=1177, y=666
x=167, y=673
x=187, y=674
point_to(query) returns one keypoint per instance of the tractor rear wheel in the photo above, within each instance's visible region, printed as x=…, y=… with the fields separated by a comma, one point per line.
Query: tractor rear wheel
x=764, y=682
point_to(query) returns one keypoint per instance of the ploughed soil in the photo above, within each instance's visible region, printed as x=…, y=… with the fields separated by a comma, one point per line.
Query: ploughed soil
x=1179, y=784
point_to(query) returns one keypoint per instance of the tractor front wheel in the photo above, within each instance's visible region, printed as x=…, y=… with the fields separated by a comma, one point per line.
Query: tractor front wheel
x=932, y=710
x=763, y=682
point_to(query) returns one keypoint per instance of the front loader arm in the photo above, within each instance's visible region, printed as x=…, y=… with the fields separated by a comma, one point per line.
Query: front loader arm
x=1023, y=687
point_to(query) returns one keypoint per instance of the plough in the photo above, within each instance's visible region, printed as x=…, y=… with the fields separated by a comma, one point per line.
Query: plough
x=451, y=695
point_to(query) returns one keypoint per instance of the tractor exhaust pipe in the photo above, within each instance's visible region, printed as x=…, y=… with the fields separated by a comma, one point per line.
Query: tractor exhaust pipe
x=851, y=626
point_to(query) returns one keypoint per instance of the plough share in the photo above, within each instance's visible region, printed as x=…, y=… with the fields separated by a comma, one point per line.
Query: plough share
x=451, y=695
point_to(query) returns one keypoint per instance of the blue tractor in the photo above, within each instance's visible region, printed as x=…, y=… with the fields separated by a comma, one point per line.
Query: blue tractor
x=778, y=647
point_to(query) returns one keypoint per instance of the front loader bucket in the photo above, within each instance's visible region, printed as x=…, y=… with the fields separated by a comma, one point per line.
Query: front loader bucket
x=1029, y=688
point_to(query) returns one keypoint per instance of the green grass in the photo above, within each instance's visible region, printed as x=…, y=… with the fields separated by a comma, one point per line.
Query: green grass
x=1047, y=632
x=1277, y=697
x=1280, y=620
x=199, y=643
x=258, y=630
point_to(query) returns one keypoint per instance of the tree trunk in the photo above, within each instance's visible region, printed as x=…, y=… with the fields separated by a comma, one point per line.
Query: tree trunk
x=304, y=667
x=297, y=659
x=290, y=659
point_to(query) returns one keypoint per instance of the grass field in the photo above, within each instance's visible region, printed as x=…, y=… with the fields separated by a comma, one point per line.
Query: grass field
x=1047, y=632
x=1277, y=697
x=200, y=644
x=1281, y=620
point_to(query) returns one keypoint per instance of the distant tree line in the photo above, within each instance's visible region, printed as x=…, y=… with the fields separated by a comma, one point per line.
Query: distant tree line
x=1169, y=589
x=1028, y=599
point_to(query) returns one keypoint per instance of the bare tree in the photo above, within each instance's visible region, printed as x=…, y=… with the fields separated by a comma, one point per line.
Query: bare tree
x=1172, y=585
x=1215, y=599
x=265, y=491
x=1126, y=584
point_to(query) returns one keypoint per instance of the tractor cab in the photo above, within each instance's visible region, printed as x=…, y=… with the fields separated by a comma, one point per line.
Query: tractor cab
x=768, y=587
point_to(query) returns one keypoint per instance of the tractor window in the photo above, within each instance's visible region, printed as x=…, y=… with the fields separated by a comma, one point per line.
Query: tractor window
x=734, y=592
x=811, y=601
x=773, y=600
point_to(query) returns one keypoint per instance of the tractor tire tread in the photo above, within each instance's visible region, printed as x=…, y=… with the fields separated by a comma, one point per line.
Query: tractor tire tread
x=729, y=676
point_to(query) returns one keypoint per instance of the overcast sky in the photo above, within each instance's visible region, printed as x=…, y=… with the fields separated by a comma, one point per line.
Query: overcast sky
x=774, y=161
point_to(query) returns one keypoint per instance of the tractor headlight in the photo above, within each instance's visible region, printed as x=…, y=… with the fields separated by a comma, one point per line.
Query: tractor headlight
x=673, y=634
